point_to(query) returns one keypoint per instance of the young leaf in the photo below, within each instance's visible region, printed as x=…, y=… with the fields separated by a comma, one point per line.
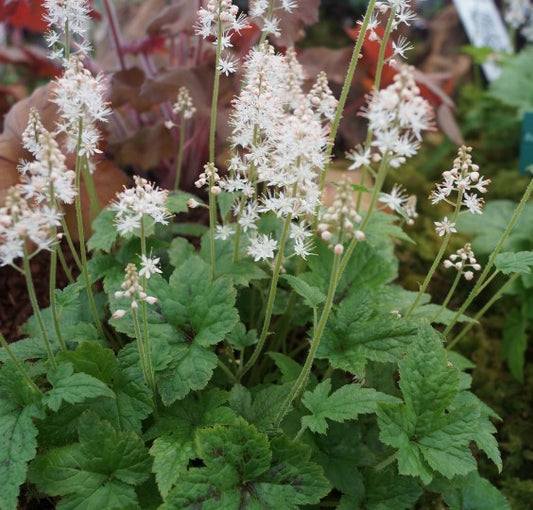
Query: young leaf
x=428, y=432
x=515, y=342
x=72, y=387
x=312, y=295
x=105, y=232
x=346, y=403
x=244, y=471
x=509, y=262
x=98, y=472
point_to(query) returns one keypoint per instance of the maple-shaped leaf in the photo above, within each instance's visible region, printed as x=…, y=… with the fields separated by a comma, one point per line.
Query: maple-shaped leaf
x=429, y=433
x=346, y=403
x=244, y=470
x=100, y=471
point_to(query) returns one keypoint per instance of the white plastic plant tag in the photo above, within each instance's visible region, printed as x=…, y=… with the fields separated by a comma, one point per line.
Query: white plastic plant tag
x=485, y=28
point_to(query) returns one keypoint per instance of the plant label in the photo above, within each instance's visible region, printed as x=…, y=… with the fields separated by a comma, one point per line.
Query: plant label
x=485, y=29
x=526, y=144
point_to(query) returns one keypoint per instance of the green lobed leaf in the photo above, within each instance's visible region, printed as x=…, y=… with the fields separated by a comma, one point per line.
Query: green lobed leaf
x=73, y=387
x=488, y=228
x=18, y=445
x=239, y=338
x=358, y=331
x=260, y=407
x=191, y=369
x=132, y=401
x=428, y=432
x=346, y=403
x=201, y=308
x=98, y=472
x=385, y=490
x=180, y=251
x=510, y=262
x=174, y=433
x=312, y=295
x=104, y=232
x=243, y=470
x=476, y=494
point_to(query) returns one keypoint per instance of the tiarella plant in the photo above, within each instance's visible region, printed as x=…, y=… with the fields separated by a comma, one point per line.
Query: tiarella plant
x=273, y=362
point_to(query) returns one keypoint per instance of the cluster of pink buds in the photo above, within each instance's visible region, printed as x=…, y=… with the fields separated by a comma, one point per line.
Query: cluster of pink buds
x=209, y=177
x=462, y=259
x=133, y=290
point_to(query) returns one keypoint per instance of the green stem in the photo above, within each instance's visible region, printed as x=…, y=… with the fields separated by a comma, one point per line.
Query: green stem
x=180, y=152
x=64, y=265
x=81, y=237
x=448, y=296
x=142, y=354
x=35, y=306
x=437, y=259
x=212, y=131
x=18, y=364
x=475, y=291
x=94, y=202
x=52, y=294
x=345, y=90
x=389, y=460
x=480, y=314
x=227, y=371
x=146, y=338
x=271, y=297
x=70, y=242
x=300, y=383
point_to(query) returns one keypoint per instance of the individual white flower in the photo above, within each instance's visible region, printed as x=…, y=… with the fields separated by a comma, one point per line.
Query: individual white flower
x=394, y=200
x=262, y=247
x=444, y=227
x=360, y=157
x=224, y=232
x=149, y=266
x=227, y=65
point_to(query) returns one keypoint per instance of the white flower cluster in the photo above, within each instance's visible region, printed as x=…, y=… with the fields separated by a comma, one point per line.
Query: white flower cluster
x=133, y=204
x=279, y=137
x=462, y=259
x=68, y=17
x=47, y=177
x=265, y=11
x=19, y=222
x=184, y=105
x=133, y=290
x=398, y=201
x=403, y=14
x=463, y=179
x=519, y=15
x=220, y=18
x=338, y=223
x=79, y=98
x=397, y=116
